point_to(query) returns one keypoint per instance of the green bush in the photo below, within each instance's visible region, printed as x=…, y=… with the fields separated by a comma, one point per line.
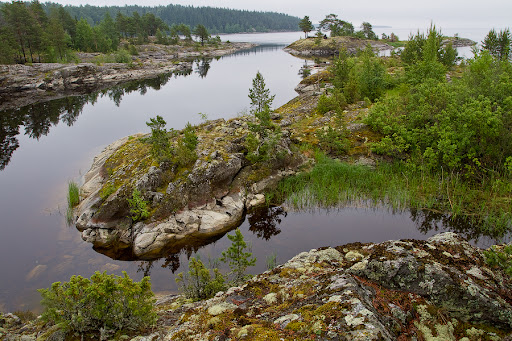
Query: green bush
x=138, y=207
x=198, y=283
x=186, y=150
x=122, y=56
x=160, y=146
x=463, y=125
x=500, y=258
x=334, y=102
x=334, y=140
x=104, y=303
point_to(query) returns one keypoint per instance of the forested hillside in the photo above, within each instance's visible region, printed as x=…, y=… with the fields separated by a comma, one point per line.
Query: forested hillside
x=216, y=20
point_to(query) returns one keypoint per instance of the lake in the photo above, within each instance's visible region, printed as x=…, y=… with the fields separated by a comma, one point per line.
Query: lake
x=45, y=146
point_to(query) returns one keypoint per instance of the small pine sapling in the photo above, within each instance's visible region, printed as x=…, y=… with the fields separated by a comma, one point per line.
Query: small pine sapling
x=237, y=259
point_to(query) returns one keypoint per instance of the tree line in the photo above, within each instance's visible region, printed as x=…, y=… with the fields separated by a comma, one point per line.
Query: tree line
x=49, y=32
x=216, y=20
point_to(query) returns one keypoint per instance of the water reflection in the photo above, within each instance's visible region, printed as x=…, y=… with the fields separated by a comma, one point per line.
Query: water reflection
x=38, y=119
x=428, y=221
x=264, y=221
x=267, y=223
x=202, y=66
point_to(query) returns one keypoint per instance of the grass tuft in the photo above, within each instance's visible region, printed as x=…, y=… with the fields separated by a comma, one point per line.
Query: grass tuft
x=73, y=200
x=73, y=194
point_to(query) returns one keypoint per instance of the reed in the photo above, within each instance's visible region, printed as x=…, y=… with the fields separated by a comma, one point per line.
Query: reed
x=399, y=186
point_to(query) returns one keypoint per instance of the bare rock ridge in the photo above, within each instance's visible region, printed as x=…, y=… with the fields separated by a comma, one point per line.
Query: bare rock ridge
x=331, y=46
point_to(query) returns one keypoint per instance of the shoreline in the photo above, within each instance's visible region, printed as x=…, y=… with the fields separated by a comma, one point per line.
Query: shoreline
x=22, y=85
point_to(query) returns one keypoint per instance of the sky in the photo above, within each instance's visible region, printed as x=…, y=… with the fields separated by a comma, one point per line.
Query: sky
x=396, y=13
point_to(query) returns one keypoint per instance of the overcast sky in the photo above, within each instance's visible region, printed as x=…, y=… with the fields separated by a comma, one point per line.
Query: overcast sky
x=396, y=13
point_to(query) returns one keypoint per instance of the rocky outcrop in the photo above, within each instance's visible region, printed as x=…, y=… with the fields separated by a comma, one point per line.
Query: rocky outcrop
x=22, y=85
x=187, y=206
x=458, y=42
x=315, y=47
x=434, y=289
x=192, y=205
x=438, y=289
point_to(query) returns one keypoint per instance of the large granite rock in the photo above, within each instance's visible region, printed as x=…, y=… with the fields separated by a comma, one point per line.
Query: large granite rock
x=187, y=206
x=438, y=289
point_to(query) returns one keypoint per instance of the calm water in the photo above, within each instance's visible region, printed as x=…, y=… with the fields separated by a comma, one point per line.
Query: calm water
x=45, y=146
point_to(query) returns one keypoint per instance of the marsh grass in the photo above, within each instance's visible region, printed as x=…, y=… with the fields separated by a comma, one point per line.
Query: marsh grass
x=398, y=186
x=73, y=194
x=73, y=200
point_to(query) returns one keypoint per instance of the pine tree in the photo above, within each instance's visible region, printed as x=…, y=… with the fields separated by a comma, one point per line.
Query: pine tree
x=306, y=25
x=201, y=33
x=260, y=95
x=237, y=259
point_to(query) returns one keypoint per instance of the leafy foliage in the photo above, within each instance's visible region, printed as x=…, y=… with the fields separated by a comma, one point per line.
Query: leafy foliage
x=138, y=207
x=104, y=303
x=186, y=150
x=462, y=125
x=500, y=258
x=334, y=140
x=198, y=283
x=428, y=49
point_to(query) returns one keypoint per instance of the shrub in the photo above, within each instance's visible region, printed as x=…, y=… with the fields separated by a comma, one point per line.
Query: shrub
x=138, y=207
x=335, y=102
x=500, y=258
x=160, y=145
x=198, y=283
x=105, y=303
x=186, y=150
x=122, y=56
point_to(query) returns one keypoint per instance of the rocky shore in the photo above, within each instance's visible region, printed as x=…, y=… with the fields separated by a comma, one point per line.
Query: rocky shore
x=319, y=47
x=22, y=85
x=434, y=289
x=314, y=47
x=203, y=201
